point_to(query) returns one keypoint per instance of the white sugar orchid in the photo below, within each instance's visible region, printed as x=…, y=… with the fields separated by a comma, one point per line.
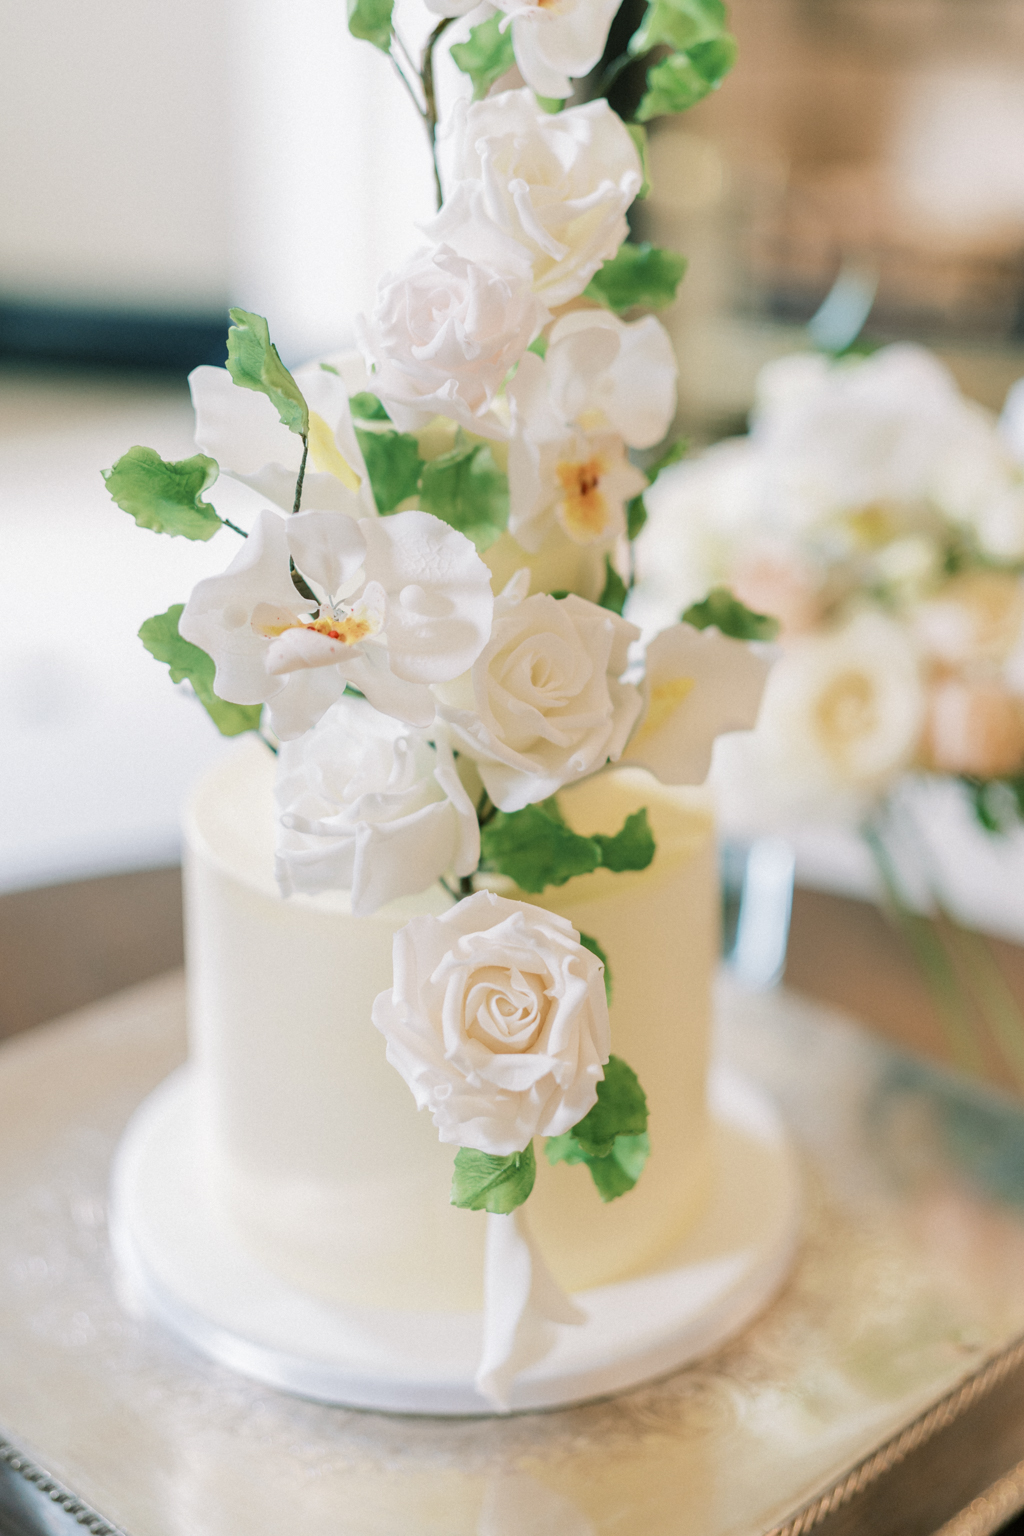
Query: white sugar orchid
x=555, y=41
x=241, y=429
x=558, y=184
x=602, y=387
x=371, y=806
x=444, y=332
x=398, y=603
x=698, y=685
x=544, y=704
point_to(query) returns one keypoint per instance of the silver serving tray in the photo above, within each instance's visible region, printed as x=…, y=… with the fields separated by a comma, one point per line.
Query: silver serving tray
x=883, y=1391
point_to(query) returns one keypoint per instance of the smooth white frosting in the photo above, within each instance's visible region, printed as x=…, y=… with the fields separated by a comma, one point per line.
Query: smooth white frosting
x=314, y=1150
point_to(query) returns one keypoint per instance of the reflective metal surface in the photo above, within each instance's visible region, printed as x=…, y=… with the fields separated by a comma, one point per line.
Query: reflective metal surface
x=909, y=1281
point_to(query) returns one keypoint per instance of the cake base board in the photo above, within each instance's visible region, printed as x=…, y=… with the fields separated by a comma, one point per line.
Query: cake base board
x=180, y=1264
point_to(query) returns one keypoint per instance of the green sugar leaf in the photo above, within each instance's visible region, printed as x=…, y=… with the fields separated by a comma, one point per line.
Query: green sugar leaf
x=637, y=274
x=595, y=949
x=166, y=497
x=535, y=850
x=617, y=1173
x=683, y=79
x=253, y=363
x=636, y=516
x=539, y=345
x=681, y=24
x=366, y=407
x=621, y=1110
x=564, y=1149
x=551, y=104
x=638, y=133
x=729, y=615
x=615, y=590
x=631, y=848
x=672, y=455
x=393, y=464
x=487, y=55
x=370, y=20
x=481, y=1182
x=466, y=489
x=188, y=663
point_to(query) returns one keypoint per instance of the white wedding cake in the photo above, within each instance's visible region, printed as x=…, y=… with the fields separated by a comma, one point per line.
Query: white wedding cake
x=314, y=1152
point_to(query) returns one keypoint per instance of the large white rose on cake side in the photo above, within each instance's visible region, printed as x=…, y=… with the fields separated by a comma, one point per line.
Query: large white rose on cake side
x=602, y=387
x=370, y=806
x=544, y=704
x=498, y=1022
x=444, y=332
x=242, y=430
x=557, y=184
x=402, y=602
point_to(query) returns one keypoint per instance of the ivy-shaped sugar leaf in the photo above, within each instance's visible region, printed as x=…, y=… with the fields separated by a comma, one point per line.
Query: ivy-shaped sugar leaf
x=393, y=464
x=253, y=363
x=591, y=943
x=632, y=847
x=615, y=592
x=612, y=1139
x=731, y=616
x=683, y=79
x=681, y=24
x=636, y=516
x=621, y=1110
x=487, y=55
x=535, y=850
x=187, y=662
x=638, y=133
x=166, y=497
x=481, y=1182
x=370, y=20
x=617, y=1173
x=366, y=407
x=466, y=489
x=637, y=274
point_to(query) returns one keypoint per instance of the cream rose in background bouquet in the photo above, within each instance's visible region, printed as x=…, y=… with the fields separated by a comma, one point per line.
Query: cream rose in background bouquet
x=878, y=516
x=424, y=616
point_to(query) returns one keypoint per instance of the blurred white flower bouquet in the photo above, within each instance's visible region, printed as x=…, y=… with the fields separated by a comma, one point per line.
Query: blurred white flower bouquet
x=483, y=443
x=878, y=516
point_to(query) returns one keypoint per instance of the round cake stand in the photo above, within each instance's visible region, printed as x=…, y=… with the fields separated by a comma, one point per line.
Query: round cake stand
x=179, y=1264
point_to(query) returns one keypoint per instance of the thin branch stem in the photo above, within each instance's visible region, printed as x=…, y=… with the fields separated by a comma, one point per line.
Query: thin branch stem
x=234, y=527
x=297, y=503
x=486, y=810
x=430, y=97
x=270, y=746
x=406, y=55
x=444, y=884
x=400, y=72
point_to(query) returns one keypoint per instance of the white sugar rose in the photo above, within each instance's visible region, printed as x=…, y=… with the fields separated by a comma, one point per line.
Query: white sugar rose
x=398, y=603
x=558, y=184
x=241, y=429
x=497, y=1020
x=444, y=332
x=370, y=806
x=544, y=704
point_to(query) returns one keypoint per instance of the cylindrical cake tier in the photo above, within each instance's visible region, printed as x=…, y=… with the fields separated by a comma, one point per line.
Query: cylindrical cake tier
x=315, y=1153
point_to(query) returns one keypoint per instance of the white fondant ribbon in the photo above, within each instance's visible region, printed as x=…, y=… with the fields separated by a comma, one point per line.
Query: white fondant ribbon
x=521, y=1300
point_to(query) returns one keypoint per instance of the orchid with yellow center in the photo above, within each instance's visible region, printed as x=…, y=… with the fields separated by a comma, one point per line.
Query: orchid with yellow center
x=241, y=429
x=318, y=601
x=602, y=386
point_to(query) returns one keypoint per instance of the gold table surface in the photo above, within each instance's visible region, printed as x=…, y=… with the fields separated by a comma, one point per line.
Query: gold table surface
x=908, y=1293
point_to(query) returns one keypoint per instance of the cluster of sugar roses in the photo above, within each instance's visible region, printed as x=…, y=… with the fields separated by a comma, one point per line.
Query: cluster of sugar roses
x=480, y=445
x=878, y=515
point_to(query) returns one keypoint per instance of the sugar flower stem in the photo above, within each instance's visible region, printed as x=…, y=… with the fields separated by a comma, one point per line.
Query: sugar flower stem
x=430, y=97
x=297, y=503
x=234, y=527
x=486, y=810
x=400, y=72
x=932, y=958
x=270, y=745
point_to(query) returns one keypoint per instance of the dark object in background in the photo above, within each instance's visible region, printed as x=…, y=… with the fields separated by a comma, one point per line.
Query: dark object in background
x=96, y=338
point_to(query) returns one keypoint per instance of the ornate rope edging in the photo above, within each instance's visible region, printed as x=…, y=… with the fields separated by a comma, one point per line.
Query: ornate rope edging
x=888, y=1456
x=51, y=1489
